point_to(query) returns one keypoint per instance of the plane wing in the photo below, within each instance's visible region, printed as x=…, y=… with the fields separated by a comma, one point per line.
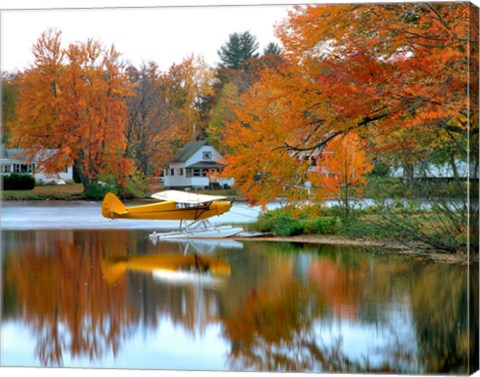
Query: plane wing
x=186, y=197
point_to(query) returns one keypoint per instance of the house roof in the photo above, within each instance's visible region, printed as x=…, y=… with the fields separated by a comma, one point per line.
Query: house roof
x=22, y=156
x=11, y=154
x=188, y=150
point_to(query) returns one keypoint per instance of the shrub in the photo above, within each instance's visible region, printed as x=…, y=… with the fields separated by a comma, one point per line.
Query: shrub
x=285, y=226
x=321, y=225
x=137, y=187
x=18, y=182
x=281, y=222
x=98, y=191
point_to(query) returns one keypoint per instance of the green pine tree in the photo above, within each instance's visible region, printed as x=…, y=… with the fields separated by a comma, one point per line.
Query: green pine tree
x=272, y=49
x=238, y=49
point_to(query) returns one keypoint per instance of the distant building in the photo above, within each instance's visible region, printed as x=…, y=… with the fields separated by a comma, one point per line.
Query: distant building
x=191, y=166
x=428, y=170
x=12, y=161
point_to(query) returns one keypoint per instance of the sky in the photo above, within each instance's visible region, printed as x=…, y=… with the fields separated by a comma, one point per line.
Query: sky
x=165, y=35
x=163, y=31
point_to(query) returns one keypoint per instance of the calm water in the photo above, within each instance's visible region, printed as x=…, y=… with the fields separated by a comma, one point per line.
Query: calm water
x=75, y=297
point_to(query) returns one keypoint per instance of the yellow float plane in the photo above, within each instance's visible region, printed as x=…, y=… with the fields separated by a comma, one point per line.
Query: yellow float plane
x=176, y=205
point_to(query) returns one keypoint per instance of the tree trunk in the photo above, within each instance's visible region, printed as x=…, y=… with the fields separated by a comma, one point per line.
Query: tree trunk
x=408, y=174
x=80, y=177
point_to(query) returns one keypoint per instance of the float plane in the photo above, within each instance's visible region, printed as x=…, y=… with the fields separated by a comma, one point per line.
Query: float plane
x=192, y=210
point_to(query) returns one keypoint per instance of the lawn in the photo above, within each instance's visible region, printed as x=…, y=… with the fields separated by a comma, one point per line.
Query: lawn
x=47, y=191
x=74, y=190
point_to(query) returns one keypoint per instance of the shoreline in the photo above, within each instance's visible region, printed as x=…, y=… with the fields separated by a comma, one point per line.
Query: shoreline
x=73, y=198
x=385, y=247
x=367, y=244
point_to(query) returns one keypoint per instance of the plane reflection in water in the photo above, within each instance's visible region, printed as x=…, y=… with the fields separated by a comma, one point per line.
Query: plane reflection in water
x=173, y=267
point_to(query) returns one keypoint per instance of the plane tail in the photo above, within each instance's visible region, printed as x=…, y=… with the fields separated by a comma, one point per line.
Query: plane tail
x=112, y=207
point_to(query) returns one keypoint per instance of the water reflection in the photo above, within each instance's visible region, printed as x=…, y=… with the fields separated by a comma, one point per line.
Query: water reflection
x=175, y=267
x=86, y=295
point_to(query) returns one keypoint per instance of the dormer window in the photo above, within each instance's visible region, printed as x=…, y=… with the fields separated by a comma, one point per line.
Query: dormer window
x=207, y=155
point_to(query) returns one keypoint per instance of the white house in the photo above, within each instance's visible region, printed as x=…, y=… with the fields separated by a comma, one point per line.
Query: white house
x=431, y=170
x=12, y=161
x=190, y=167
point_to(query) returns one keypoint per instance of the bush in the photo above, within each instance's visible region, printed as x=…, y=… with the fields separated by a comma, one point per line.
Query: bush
x=321, y=225
x=137, y=188
x=98, y=191
x=281, y=222
x=286, y=226
x=362, y=229
x=18, y=182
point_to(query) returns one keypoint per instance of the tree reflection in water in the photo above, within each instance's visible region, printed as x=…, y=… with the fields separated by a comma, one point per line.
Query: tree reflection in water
x=446, y=337
x=277, y=311
x=274, y=332
x=277, y=326
x=61, y=294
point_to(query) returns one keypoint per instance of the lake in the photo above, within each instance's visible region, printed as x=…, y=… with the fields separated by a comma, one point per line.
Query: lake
x=83, y=291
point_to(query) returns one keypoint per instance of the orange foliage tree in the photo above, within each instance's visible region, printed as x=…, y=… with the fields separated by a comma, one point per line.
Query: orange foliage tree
x=262, y=169
x=373, y=64
x=362, y=68
x=71, y=102
x=342, y=167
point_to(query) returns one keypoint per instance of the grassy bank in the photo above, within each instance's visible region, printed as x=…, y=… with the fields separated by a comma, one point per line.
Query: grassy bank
x=411, y=227
x=74, y=191
x=383, y=247
x=71, y=191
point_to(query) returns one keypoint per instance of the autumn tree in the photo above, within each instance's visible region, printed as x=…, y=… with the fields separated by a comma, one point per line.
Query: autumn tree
x=145, y=110
x=373, y=65
x=229, y=86
x=9, y=102
x=71, y=108
x=184, y=87
x=342, y=168
x=365, y=69
x=253, y=141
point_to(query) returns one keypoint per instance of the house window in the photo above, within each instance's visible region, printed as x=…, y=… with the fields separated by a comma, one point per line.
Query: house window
x=188, y=173
x=180, y=171
x=172, y=172
x=6, y=168
x=197, y=172
x=22, y=168
x=207, y=155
